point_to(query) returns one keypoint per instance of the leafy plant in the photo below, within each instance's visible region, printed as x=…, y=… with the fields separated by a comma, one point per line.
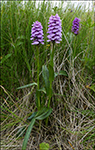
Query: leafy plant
x=40, y=115
x=44, y=146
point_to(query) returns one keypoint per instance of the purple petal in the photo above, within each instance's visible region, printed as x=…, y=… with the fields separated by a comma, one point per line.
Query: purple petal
x=31, y=38
x=35, y=43
x=48, y=40
x=57, y=42
x=55, y=30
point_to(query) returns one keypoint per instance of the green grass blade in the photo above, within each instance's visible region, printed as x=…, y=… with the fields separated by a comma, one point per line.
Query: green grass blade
x=32, y=116
x=28, y=85
x=62, y=72
x=28, y=134
x=44, y=114
x=5, y=58
x=41, y=111
x=20, y=119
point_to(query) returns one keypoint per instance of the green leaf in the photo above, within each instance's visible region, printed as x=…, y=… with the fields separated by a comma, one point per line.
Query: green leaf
x=45, y=114
x=62, y=72
x=44, y=146
x=28, y=85
x=92, y=87
x=32, y=116
x=45, y=74
x=51, y=73
x=28, y=134
x=41, y=111
x=5, y=58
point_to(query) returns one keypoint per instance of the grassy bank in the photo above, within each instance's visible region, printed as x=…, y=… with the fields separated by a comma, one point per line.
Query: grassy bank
x=72, y=123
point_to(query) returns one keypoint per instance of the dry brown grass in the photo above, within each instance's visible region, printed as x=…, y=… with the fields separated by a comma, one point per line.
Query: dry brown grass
x=69, y=124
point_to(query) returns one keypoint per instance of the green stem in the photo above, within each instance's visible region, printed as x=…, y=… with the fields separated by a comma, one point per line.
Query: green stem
x=74, y=47
x=38, y=96
x=52, y=55
x=52, y=64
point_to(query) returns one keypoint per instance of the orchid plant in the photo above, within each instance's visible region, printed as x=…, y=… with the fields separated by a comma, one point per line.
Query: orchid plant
x=75, y=27
x=54, y=36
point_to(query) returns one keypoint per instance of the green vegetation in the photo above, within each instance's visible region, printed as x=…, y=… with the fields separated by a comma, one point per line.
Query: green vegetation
x=72, y=123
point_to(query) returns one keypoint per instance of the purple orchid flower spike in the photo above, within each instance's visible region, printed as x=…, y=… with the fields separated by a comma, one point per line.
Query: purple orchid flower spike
x=37, y=33
x=75, y=27
x=54, y=29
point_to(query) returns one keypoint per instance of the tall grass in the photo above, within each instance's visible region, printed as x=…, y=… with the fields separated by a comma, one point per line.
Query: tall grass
x=73, y=102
